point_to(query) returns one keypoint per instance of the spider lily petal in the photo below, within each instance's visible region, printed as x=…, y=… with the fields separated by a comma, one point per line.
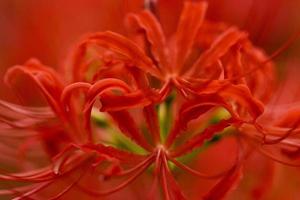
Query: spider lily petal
x=119, y=44
x=155, y=35
x=220, y=46
x=45, y=78
x=190, y=21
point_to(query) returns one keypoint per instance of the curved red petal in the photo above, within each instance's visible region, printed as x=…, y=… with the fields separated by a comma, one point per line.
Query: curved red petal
x=155, y=36
x=190, y=21
x=133, y=54
x=218, y=48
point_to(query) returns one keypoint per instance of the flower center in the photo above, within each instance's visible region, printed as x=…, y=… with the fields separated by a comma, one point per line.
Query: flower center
x=161, y=149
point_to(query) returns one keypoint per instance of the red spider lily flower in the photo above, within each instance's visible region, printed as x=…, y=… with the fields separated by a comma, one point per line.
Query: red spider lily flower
x=179, y=60
x=165, y=103
x=279, y=133
x=210, y=78
x=56, y=134
x=204, y=93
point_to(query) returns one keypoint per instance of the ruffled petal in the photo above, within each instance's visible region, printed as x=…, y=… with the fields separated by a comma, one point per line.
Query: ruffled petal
x=130, y=52
x=123, y=156
x=192, y=110
x=286, y=152
x=93, y=92
x=146, y=21
x=199, y=139
x=234, y=66
x=111, y=102
x=217, y=49
x=190, y=21
x=45, y=79
x=280, y=144
x=237, y=94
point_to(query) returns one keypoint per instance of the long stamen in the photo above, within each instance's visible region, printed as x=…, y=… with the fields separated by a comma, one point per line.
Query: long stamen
x=197, y=173
x=119, y=187
x=69, y=187
x=34, y=191
x=160, y=171
x=275, y=54
x=35, y=176
x=293, y=38
x=278, y=140
x=138, y=166
x=290, y=131
x=165, y=183
x=175, y=189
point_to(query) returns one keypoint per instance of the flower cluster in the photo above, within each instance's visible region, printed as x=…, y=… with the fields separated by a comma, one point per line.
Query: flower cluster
x=141, y=111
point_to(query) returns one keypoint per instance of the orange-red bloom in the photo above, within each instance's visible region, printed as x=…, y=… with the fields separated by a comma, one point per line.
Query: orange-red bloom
x=145, y=114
